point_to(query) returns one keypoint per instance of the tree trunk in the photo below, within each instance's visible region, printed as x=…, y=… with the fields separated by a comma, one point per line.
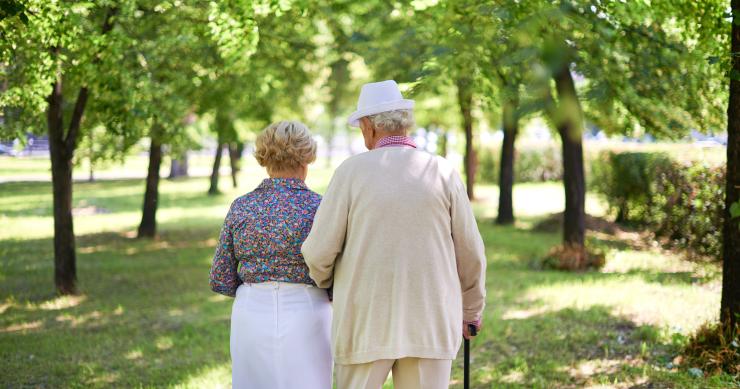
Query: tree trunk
x=91, y=176
x=442, y=143
x=61, y=151
x=148, y=226
x=465, y=100
x=338, y=80
x=506, y=171
x=730, y=306
x=179, y=167
x=570, y=128
x=213, y=190
x=329, y=147
x=235, y=156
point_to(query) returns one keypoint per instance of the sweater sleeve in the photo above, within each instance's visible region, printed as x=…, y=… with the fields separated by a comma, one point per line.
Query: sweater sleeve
x=326, y=239
x=469, y=252
x=224, y=278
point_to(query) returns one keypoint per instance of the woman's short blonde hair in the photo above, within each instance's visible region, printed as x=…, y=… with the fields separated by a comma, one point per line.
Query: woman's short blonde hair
x=285, y=146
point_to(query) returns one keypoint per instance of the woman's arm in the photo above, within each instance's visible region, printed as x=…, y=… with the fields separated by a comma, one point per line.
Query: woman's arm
x=224, y=278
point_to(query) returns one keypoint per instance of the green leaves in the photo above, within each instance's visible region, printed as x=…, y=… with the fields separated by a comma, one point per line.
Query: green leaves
x=12, y=8
x=735, y=210
x=234, y=30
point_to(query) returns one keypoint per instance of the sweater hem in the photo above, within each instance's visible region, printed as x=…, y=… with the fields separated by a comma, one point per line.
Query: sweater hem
x=370, y=356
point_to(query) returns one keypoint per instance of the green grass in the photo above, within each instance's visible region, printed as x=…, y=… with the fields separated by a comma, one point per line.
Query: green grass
x=146, y=318
x=39, y=167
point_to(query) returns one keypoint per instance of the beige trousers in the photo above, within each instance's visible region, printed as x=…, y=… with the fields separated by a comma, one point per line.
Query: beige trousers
x=408, y=373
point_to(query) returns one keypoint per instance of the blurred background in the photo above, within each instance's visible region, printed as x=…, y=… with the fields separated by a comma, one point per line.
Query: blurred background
x=592, y=136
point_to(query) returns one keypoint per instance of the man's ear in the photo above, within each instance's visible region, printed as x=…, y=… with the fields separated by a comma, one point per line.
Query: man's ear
x=368, y=124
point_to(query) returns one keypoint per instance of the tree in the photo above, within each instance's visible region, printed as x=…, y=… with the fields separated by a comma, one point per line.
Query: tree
x=510, y=127
x=179, y=161
x=56, y=52
x=251, y=90
x=148, y=226
x=433, y=47
x=167, y=32
x=340, y=77
x=569, y=122
x=225, y=134
x=629, y=57
x=730, y=305
x=505, y=76
x=465, y=100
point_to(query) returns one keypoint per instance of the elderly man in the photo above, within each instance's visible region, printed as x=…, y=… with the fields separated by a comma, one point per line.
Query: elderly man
x=396, y=238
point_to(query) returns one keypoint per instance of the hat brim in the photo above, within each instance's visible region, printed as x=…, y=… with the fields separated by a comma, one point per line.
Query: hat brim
x=354, y=118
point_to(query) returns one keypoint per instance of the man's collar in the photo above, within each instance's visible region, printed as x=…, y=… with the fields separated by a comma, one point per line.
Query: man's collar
x=395, y=140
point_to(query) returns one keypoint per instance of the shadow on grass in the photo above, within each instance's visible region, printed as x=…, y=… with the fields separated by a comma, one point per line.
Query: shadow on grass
x=143, y=317
x=110, y=196
x=563, y=349
x=511, y=247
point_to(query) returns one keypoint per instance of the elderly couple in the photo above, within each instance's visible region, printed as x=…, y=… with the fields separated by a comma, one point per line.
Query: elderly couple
x=392, y=249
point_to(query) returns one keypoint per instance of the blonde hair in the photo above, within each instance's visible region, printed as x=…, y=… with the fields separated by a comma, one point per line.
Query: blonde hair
x=285, y=146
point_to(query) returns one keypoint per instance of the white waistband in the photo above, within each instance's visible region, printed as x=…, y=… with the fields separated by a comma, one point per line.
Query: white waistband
x=278, y=285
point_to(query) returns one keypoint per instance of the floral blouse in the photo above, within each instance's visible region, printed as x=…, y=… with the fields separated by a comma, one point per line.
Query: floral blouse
x=262, y=236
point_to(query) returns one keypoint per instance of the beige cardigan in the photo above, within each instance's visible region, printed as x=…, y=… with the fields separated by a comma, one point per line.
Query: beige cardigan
x=396, y=235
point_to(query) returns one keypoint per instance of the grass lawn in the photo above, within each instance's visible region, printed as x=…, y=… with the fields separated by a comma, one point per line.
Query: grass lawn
x=38, y=167
x=146, y=317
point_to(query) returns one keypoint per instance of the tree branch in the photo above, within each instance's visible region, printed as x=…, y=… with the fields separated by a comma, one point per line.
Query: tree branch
x=70, y=142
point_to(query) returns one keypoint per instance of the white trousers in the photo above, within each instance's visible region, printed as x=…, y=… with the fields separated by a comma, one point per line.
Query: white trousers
x=280, y=337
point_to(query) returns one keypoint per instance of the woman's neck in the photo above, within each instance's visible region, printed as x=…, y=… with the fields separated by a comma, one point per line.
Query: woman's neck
x=296, y=174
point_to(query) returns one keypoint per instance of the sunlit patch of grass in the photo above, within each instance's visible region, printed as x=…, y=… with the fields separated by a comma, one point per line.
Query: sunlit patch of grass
x=62, y=302
x=212, y=377
x=645, y=302
x=23, y=326
x=532, y=200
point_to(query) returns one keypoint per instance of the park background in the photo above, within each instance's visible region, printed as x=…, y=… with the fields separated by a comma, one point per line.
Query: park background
x=598, y=141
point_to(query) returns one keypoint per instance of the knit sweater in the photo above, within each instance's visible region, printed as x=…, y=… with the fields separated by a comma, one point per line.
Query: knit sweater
x=396, y=237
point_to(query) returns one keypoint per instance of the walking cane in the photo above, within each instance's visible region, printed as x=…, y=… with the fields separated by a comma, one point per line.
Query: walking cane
x=466, y=364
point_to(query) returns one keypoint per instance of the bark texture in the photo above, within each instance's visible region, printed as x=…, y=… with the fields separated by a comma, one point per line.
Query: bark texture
x=465, y=100
x=213, y=189
x=148, y=225
x=570, y=128
x=61, y=150
x=506, y=171
x=730, y=305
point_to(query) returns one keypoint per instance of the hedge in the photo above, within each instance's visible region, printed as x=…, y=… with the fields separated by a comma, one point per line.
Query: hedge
x=677, y=200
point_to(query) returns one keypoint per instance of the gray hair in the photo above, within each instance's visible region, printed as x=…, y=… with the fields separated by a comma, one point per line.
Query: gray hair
x=393, y=121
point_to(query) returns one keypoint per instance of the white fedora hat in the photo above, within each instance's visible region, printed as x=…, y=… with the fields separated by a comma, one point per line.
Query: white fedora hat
x=377, y=97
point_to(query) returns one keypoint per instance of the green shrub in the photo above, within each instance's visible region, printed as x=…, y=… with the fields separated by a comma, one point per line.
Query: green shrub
x=678, y=200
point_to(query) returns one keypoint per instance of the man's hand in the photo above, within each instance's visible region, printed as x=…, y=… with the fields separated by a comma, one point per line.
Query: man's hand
x=466, y=329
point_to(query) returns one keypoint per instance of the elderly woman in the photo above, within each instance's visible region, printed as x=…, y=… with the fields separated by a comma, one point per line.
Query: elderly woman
x=280, y=321
x=396, y=237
